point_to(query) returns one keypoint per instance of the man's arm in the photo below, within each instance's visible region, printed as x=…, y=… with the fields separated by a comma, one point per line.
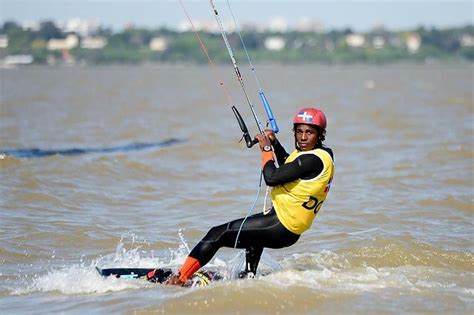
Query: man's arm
x=306, y=166
x=280, y=152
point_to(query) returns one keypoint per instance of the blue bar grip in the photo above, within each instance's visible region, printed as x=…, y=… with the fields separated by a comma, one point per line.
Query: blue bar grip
x=268, y=109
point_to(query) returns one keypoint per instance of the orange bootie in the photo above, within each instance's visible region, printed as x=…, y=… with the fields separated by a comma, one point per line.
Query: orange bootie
x=190, y=266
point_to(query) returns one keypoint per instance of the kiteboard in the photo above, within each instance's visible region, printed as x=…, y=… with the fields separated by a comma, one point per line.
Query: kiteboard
x=160, y=275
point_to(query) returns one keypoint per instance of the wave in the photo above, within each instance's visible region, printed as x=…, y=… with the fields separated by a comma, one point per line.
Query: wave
x=407, y=251
x=134, y=146
x=385, y=263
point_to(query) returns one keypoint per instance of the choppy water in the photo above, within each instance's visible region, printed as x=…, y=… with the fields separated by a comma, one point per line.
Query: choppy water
x=394, y=236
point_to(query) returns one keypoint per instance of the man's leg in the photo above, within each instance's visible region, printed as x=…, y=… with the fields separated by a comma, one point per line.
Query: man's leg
x=257, y=232
x=252, y=258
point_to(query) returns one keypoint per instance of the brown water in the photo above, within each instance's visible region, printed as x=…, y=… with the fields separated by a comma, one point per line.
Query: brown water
x=394, y=236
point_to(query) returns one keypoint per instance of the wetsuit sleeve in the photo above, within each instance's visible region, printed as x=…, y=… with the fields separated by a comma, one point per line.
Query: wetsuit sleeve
x=280, y=153
x=304, y=167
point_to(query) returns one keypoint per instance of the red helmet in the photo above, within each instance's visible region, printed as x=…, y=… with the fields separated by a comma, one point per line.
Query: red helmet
x=310, y=116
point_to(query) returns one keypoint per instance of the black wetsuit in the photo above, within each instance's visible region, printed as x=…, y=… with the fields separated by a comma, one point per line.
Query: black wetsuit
x=260, y=230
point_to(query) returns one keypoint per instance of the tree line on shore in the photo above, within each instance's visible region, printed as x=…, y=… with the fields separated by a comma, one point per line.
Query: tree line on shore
x=133, y=45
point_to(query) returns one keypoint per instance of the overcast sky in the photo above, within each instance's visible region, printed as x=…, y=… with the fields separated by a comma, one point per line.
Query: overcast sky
x=358, y=15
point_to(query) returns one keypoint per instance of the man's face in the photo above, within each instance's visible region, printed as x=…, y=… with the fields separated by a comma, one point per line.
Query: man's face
x=306, y=137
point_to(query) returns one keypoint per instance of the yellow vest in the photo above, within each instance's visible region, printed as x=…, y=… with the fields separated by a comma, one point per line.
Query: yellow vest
x=297, y=203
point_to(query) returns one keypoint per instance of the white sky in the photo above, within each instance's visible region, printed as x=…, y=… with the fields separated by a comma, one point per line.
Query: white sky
x=358, y=15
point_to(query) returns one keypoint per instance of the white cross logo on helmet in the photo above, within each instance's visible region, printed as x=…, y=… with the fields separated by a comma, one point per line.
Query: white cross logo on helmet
x=305, y=116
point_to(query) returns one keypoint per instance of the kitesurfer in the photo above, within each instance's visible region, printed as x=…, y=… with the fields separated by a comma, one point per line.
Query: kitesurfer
x=300, y=186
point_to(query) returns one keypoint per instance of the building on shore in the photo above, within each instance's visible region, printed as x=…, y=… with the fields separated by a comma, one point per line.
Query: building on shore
x=413, y=42
x=13, y=60
x=97, y=42
x=158, y=44
x=70, y=42
x=4, y=41
x=274, y=43
x=355, y=40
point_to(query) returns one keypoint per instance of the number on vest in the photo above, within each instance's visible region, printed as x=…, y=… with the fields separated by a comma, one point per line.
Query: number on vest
x=313, y=204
